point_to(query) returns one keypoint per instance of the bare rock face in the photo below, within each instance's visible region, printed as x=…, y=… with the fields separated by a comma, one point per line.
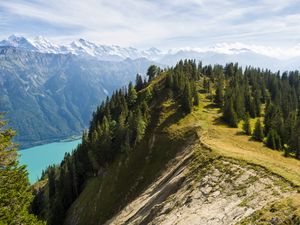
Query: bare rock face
x=220, y=191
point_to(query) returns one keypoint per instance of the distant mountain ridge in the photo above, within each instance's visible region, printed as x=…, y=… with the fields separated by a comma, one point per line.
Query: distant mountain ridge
x=80, y=47
x=221, y=53
x=49, y=96
x=49, y=90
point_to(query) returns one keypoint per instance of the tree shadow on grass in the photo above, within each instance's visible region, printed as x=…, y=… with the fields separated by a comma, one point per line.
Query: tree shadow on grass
x=240, y=133
x=172, y=119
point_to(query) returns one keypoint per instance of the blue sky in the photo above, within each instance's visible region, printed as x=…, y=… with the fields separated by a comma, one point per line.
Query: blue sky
x=158, y=23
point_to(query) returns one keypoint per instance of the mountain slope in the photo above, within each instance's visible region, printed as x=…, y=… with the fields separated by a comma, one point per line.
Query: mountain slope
x=203, y=184
x=52, y=96
x=160, y=153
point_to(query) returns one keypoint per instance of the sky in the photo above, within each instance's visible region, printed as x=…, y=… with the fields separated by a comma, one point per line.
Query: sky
x=155, y=23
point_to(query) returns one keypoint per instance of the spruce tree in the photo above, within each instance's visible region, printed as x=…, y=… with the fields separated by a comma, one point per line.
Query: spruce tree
x=15, y=192
x=219, y=97
x=271, y=143
x=295, y=139
x=229, y=115
x=246, y=125
x=132, y=95
x=140, y=126
x=196, y=101
x=152, y=72
x=258, y=133
x=187, y=98
x=139, y=84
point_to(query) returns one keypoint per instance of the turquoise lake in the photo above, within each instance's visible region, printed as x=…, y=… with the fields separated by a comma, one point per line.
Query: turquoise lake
x=39, y=157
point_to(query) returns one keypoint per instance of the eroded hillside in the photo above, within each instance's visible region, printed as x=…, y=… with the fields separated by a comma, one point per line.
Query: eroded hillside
x=205, y=186
x=160, y=152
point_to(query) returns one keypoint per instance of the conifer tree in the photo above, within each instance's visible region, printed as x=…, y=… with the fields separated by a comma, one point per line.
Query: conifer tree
x=196, y=101
x=271, y=143
x=258, y=133
x=219, y=98
x=140, y=126
x=170, y=81
x=229, y=115
x=152, y=72
x=295, y=139
x=139, y=84
x=132, y=95
x=246, y=125
x=15, y=191
x=187, y=98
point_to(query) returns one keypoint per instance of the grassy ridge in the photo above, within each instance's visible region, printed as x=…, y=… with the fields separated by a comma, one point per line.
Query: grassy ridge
x=170, y=132
x=133, y=171
x=230, y=142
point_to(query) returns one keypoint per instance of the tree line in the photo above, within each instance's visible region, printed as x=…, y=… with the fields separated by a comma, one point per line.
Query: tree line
x=118, y=125
x=15, y=190
x=271, y=98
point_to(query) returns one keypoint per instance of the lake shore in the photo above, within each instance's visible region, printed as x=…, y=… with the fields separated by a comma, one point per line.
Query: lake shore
x=25, y=146
x=38, y=158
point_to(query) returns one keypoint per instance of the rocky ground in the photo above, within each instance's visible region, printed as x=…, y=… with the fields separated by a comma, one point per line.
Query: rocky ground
x=215, y=191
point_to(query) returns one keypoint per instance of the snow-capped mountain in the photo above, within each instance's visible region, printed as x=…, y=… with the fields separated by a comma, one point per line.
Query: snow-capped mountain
x=81, y=47
x=51, y=96
x=245, y=54
x=18, y=42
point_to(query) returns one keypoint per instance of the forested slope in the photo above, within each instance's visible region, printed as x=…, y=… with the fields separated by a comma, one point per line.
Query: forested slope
x=51, y=97
x=135, y=135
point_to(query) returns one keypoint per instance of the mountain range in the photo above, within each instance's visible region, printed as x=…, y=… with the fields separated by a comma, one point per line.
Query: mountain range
x=49, y=90
x=49, y=96
x=258, y=56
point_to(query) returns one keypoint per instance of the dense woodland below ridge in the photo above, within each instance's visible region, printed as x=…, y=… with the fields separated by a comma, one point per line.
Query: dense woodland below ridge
x=50, y=97
x=120, y=137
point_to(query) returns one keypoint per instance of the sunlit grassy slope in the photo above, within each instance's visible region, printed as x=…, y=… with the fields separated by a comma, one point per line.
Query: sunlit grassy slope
x=170, y=133
x=231, y=142
x=131, y=172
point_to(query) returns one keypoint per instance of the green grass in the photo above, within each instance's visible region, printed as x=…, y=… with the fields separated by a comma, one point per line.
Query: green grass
x=229, y=142
x=171, y=132
x=131, y=173
x=285, y=211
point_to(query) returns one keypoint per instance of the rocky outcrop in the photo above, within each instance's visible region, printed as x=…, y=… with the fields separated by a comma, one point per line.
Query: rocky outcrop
x=214, y=191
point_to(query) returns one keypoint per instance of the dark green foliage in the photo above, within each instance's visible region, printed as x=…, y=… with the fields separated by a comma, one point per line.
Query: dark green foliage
x=295, y=140
x=187, y=103
x=196, y=101
x=273, y=119
x=132, y=95
x=273, y=140
x=124, y=122
x=246, y=125
x=258, y=134
x=229, y=114
x=139, y=83
x=118, y=127
x=152, y=72
x=219, y=98
x=15, y=191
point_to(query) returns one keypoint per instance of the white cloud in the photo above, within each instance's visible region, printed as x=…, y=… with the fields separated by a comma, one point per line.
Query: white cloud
x=169, y=23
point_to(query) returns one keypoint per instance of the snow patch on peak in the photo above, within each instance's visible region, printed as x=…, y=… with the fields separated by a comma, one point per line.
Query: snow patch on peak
x=42, y=44
x=18, y=42
x=83, y=47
